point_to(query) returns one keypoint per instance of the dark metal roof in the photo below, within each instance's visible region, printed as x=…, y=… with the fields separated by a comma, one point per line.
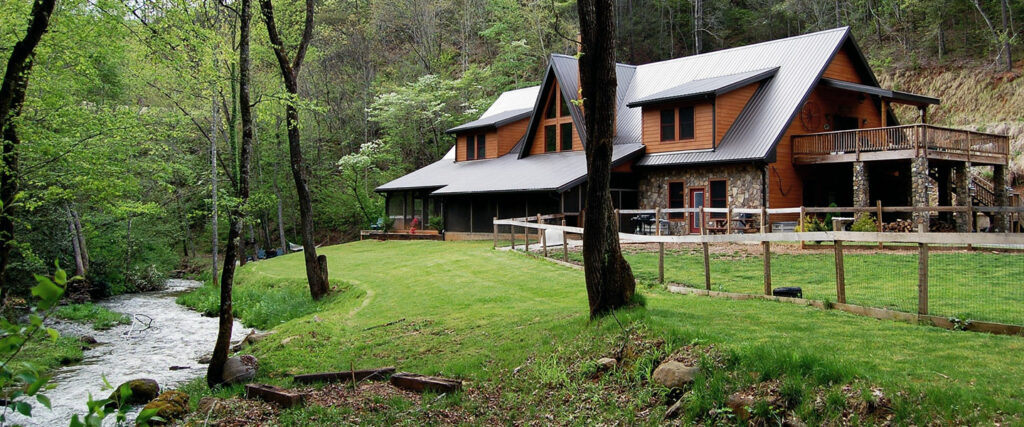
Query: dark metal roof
x=494, y=121
x=543, y=172
x=705, y=88
x=904, y=97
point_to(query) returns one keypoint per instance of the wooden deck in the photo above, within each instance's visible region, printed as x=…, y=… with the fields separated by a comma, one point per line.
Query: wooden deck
x=901, y=142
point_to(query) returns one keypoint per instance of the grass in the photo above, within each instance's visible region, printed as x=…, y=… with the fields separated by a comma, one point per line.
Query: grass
x=46, y=354
x=516, y=329
x=100, y=317
x=967, y=285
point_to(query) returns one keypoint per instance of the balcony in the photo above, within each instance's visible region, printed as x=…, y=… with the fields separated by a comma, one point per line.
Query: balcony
x=901, y=142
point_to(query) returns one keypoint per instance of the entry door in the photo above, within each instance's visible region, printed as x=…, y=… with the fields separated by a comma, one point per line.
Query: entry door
x=696, y=202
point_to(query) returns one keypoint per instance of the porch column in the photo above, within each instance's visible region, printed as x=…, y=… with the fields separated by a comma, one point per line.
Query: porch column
x=961, y=187
x=999, y=188
x=919, y=189
x=861, y=194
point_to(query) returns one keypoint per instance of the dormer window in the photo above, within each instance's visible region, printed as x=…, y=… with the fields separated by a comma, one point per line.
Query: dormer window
x=668, y=125
x=669, y=120
x=476, y=147
x=686, y=122
x=556, y=129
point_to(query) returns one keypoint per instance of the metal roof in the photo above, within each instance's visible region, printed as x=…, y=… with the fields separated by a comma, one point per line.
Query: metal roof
x=904, y=97
x=544, y=172
x=703, y=88
x=494, y=121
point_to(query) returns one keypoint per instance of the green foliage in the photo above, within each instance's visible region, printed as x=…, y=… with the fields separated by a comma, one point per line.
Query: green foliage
x=263, y=305
x=436, y=223
x=865, y=223
x=812, y=224
x=100, y=317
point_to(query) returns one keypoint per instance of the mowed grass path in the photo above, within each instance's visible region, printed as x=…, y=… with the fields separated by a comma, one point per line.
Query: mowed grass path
x=476, y=313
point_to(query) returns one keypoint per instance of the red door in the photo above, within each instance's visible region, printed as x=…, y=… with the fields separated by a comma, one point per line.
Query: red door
x=696, y=202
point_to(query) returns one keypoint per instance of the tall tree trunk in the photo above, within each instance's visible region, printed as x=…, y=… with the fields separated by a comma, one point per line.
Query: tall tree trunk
x=316, y=267
x=610, y=282
x=1005, y=8
x=12, y=97
x=698, y=25
x=77, y=251
x=214, y=230
x=80, y=233
x=215, y=371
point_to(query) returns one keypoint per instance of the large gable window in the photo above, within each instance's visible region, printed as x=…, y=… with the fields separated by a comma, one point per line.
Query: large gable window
x=550, y=141
x=556, y=127
x=668, y=125
x=566, y=143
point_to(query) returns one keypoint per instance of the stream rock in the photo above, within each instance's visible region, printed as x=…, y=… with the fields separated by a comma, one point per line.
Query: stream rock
x=252, y=338
x=88, y=340
x=142, y=391
x=240, y=369
x=672, y=374
x=169, y=405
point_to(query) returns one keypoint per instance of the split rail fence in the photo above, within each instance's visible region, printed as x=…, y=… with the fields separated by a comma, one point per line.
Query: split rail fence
x=978, y=289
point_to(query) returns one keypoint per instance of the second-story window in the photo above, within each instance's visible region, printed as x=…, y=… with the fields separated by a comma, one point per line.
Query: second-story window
x=557, y=124
x=668, y=125
x=550, y=143
x=566, y=136
x=686, y=122
x=481, y=146
x=470, y=147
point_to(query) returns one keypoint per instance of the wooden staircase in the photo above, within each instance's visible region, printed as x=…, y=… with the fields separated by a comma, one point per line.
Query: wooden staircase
x=983, y=193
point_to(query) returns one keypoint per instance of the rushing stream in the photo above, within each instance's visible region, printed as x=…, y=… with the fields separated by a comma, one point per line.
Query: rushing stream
x=163, y=334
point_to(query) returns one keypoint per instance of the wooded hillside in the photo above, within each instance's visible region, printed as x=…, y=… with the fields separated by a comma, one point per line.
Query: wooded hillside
x=127, y=102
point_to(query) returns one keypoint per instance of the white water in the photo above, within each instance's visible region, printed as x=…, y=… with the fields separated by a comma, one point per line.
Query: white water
x=177, y=336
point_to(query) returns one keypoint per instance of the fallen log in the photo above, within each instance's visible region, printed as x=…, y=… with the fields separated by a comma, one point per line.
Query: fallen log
x=331, y=377
x=272, y=394
x=421, y=383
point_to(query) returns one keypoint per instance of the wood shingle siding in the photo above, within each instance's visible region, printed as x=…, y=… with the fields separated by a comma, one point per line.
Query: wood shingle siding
x=702, y=128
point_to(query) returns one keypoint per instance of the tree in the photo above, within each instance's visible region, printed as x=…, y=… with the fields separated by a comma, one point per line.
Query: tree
x=610, y=282
x=316, y=267
x=215, y=371
x=12, y=97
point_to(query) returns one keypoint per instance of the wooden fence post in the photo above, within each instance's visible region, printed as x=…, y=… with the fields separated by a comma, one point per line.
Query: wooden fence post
x=661, y=246
x=565, y=243
x=707, y=266
x=879, y=225
x=495, y=232
x=543, y=238
x=617, y=227
x=728, y=220
x=512, y=235
x=840, y=273
x=801, y=225
x=703, y=223
x=767, y=256
x=922, y=279
x=526, y=235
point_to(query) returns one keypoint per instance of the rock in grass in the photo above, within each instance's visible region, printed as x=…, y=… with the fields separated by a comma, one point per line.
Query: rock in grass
x=240, y=369
x=673, y=374
x=169, y=405
x=205, y=359
x=87, y=340
x=606, y=363
x=676, y=409
x=739, y=404
x=142, y=391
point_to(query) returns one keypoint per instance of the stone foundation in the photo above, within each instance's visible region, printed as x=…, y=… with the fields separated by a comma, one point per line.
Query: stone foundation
x=743, y=186
x=919, y=190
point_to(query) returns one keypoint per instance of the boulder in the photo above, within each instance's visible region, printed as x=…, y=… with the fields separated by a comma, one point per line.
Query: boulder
x=606, y=363
x=240, y=369
x=208, y=404
x=142, y=391
x=252, y=338
x=739, y=404
x=205, y=359
x=673, y=374
x=87, y=340
x=169, y=405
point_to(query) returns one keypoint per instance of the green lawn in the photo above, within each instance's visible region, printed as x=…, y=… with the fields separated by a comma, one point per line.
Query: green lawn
x=515, y=328
x=968, y=285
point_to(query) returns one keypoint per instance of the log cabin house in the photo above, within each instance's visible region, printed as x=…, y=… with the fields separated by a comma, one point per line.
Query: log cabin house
x=793, y=122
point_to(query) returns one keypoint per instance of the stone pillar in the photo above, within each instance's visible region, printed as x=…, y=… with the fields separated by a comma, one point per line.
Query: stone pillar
x=861, y=195
x=919, y=189
x=999, y=188
x=962, y=188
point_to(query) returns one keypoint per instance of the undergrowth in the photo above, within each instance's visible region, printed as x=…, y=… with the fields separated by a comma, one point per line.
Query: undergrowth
x=261, y=303
x=100, y=317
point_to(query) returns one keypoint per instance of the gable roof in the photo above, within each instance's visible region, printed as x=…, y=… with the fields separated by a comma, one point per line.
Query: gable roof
x=704, y=88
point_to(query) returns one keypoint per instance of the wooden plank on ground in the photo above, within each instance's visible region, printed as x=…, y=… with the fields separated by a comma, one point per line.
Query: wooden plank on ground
x=420, y=383
x=343, y=376
x=277, y=395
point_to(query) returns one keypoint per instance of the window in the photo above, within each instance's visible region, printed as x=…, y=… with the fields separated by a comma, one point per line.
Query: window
x=719, y=196
x=481, y=146
x=564, y=111
x=676, y=199
x=470, y=147
x=549, y=111
x=550, y=142
x=685, y=122
x=668, y=128
x=566, y=136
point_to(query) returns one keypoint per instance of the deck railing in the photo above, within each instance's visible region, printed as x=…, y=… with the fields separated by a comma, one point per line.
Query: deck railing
x=899, y=138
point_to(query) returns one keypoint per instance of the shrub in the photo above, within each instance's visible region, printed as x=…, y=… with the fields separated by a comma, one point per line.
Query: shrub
x=436, y=223
x=866, y=223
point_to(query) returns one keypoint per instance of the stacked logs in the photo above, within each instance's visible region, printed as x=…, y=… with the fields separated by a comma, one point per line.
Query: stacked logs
x=907, y=226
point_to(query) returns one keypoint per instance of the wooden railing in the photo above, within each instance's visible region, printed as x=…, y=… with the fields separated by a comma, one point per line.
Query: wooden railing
x=900, y=138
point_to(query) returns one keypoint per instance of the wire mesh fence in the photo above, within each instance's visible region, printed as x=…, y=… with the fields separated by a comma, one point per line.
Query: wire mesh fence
x=916, y=273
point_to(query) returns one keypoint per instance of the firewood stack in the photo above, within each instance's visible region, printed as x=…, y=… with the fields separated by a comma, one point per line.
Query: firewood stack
x=941, y=227
x=899, y=226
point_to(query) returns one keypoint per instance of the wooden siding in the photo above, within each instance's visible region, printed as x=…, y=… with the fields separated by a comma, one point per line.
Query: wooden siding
x=537, y=146
x=729, y=106
x=702, y=129
x=785, y=184
x=508, y=136
x=490, y=138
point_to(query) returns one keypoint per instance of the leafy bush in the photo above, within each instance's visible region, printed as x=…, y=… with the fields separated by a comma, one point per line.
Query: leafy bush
x=99, y=317
x=261, y=304
x=866, y=223
x=436, y=223
x=812, y=224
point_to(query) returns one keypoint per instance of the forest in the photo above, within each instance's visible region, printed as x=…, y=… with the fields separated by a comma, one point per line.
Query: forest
x=126, y=162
